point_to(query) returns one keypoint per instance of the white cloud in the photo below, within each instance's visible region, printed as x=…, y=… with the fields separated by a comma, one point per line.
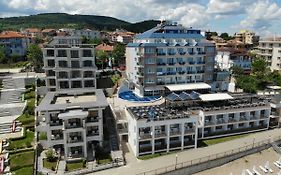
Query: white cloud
x=261, y=15
x=223, y=6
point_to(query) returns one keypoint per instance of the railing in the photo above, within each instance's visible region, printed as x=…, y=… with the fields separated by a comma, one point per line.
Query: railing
x=145, y=136
x=256, y=146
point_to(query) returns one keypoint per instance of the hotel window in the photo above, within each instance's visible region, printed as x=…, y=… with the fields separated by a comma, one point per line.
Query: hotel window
x=148, y=50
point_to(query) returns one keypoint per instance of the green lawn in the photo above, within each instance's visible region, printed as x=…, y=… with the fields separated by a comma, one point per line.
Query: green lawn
x=24, y=171
x=25, y=142
x=21, y=160
x=71, y=166
x=26, y=119
x=42, y=136
x=151, y=156
x=222, y=139
x=49, y=165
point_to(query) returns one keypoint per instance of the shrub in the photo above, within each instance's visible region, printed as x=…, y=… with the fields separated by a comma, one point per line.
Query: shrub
x=50, y=154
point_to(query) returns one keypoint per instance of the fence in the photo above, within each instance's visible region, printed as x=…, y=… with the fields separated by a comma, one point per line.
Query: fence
x=95, y=168
x=214, y=160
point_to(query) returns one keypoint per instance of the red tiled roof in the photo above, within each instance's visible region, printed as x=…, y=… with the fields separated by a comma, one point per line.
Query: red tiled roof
x=48, y=30
x=33, y=30
x=11, y=34
x=104, y=47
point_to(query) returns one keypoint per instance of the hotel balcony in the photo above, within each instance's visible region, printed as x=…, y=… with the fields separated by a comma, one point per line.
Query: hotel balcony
x=56, y=122
x=92, y=119
x=160, y=147
x=200, y=62
x=161, y=54
x=201, y=53
x=74, y=139
x=161, y=64
x=171, y=53
x=145, y=136
x=175, y=144
x=57, y=137
x=191, y=62
x=189, y=131
x=171, y=64
x=181, y=72
x=171, y=73
x=161, y=73
x=92, y=133
x=160, y=134
x=72, y=125
x=175, y=132
x=182, y=53
x=181, y=63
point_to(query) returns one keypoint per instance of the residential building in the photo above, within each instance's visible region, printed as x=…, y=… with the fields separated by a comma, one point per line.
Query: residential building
x=32, y=32
x=90, y=34
x=185, y=118
x=68, y=64
x=221, y=80
x=14, y=43
x=104, y=48
x=154, y=129
x=227, y=58
x=49, y=32
x=168, y=54
x=125, y=39
x=247, y=37
x=73, y=122
x=270, y=50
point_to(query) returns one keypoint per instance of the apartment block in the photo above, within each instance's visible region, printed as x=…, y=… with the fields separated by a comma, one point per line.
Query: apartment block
x=185, y=118
x=72, y=121
x=68, y=64
x=168, y=54
x=154, y=129
x=14, y=43
x=227, y=58
x=270, y=50
x=90, y=34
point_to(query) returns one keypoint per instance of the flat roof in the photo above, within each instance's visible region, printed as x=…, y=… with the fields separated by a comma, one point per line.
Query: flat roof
x=80, y=98
x=215, y=97
x=75, y=99
x=189, y=86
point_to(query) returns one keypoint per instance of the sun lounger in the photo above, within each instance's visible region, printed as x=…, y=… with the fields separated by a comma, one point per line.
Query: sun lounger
x=263, y=169
x=249, y=172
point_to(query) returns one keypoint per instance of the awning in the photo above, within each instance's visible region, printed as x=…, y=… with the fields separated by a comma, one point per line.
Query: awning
x=215, y=97
x=154, y=88
x=188, y=86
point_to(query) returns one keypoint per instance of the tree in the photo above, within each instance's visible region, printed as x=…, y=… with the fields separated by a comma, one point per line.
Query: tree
x=50, y=155
x=102, y=57
x=118, y=53
x=14, y=58
x=3, y=58
x=237, y=71
x=247, y=83
x=259, y=68
x=35, y=56
x=225, y=36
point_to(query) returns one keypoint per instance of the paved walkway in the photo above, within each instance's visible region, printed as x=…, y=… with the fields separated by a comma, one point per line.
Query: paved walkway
x=140, y=166
x=61, y=167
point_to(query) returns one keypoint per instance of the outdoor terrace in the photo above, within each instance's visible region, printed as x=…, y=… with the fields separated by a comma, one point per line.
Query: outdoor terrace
x=157, y=112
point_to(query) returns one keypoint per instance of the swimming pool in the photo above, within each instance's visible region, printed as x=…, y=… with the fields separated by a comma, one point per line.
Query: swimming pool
x=130, y=96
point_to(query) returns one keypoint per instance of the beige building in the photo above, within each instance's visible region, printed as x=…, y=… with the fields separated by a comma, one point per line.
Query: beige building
x=270, y=50
x=247, y=37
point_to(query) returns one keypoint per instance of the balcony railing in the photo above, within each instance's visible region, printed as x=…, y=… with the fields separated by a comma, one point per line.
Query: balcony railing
x=175, y=144
x=57, y=137
x=171, y=64
x=74, y=139
x=73, y=125
x=171, y=53
x=181, y=72
x=144, y=136
x=93, y=133
x=92, y=119
x=175, y=133
x=55, y=122
x=189, y=131
x=181, y=63
x=160, y=134
x=161, y=64
x=161, y=54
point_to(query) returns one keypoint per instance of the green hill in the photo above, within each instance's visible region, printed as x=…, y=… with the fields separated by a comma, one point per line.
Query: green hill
x=60, y=20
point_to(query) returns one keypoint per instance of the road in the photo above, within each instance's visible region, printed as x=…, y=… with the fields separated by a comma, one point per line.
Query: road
x=135, y=166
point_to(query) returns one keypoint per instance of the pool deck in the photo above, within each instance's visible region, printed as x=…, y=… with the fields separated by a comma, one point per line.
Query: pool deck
x=132, y=97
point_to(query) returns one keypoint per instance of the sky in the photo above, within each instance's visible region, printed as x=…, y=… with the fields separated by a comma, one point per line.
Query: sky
x=260, y=16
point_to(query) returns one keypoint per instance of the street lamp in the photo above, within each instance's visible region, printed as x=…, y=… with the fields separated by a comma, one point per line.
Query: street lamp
x=176, y=161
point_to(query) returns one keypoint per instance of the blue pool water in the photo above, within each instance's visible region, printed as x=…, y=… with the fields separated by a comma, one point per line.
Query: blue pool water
x=130, y=96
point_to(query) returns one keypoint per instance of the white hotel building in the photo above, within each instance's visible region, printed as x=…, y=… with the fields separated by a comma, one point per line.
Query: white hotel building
x=185, y=118
x=168, y=54
x=72, y=121
x=68, y=64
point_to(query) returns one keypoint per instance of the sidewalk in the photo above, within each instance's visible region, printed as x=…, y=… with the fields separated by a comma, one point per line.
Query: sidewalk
x=140, y=166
